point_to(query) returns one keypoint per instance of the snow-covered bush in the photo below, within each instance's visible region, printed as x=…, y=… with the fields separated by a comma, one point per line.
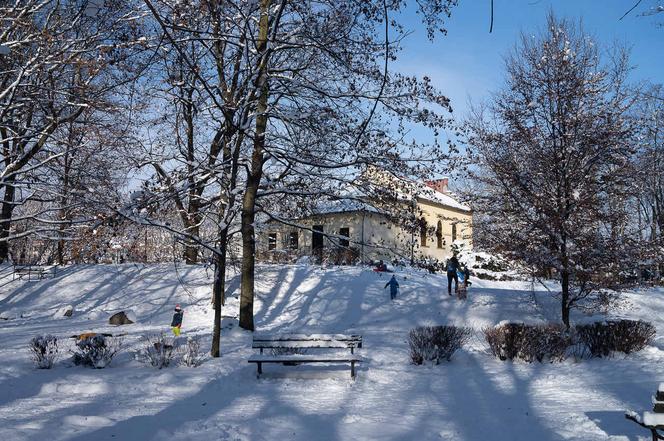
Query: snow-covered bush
x=44, y=351
x=340, y=256
x=436, y=343
x=544, y=342
x=430, y=264
x=96, y=351
x=603, y=339
x=528, y=342
x=504, y=340
x=157, y=351
x=191, y=353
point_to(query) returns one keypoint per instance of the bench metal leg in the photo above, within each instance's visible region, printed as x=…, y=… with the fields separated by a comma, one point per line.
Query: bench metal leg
x=352, y=350
x=352, y=370
x=260, y=369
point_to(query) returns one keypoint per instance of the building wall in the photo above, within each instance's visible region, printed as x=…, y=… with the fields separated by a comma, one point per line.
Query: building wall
x=373, y=236
x=450, y=219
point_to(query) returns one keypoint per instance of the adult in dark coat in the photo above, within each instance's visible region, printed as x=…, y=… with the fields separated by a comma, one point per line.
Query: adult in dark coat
x=452, y=267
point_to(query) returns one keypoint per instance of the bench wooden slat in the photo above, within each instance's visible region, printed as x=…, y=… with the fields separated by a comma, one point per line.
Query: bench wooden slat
x=306, y=341
x=301, y=344
x=305, y=358
x=308, y=337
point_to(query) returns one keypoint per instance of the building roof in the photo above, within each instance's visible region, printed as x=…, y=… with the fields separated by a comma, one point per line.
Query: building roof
x=423, y=191
x=353, y=200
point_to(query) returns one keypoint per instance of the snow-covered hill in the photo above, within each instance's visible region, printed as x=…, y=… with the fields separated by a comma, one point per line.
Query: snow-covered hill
x=474, y=397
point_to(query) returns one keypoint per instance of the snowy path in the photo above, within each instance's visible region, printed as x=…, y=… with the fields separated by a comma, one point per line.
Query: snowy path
x=474, y=397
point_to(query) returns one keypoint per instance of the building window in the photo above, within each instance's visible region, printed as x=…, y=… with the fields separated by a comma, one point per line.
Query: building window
x=317, y=238
x=439, y=234
x=344, y=232
x=454, y=232
x=293, y=240
x=423, y=232
x=272, y=241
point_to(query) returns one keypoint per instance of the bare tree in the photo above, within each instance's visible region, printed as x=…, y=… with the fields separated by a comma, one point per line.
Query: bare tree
x=291, y=89
x=59, y=60
x=553, y=150
x=649, y=175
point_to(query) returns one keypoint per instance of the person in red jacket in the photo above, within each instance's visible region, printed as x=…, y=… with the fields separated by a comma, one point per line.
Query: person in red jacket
x=176, y=323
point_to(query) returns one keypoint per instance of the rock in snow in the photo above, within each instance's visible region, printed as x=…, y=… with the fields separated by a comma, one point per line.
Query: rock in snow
x=120, y=318
x=65, y=311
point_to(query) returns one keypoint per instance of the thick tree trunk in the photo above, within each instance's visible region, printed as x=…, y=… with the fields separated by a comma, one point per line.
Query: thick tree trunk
x=248, y=258
x=6, y=219
x=253, y=179
x=190, y=253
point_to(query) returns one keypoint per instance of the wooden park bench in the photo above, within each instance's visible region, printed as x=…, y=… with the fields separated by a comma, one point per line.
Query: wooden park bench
x=296, y=342
x=653, y=421
x=34, y=272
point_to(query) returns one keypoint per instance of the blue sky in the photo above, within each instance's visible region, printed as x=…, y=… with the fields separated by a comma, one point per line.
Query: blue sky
x=468, y=62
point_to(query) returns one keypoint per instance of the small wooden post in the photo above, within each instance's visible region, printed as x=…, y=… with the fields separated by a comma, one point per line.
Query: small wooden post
x=260, y=369
x=352, y=369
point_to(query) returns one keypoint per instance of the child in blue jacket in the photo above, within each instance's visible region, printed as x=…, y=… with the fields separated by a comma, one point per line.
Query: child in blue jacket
x=394, y=287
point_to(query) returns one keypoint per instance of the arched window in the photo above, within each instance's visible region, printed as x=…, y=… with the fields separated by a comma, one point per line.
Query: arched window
x=454, y=232
x=423, y=232
x=439, y=234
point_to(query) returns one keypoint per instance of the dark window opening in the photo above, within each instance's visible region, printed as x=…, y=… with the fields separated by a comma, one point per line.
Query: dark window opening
x=317, y=238
x=344, y=232
x=423, y=232
x=454, y=232
x=272, y=241
x=439, y=234
x=293, y=242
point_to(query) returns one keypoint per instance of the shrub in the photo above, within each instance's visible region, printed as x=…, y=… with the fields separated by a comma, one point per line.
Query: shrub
x=157, y=351
x=544, y=342
x=436, y=343
x=96, y=351
x=44, y=350
x=603, y=339
x=191, y=353
x=430, y=264
x=528, y=342
x=504, y=340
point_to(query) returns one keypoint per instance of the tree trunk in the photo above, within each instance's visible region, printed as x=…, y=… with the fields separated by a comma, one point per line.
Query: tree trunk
x=248, y=257
x=6, y=218
x=64, y=199
x=218, y=292
x=254, y=178
x=190, y=253
x=564, y=281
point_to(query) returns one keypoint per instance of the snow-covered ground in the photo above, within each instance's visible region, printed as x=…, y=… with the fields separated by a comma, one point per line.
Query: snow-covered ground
x=474, y=397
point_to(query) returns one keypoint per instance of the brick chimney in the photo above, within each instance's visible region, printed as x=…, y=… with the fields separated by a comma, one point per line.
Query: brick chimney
x=439, y=185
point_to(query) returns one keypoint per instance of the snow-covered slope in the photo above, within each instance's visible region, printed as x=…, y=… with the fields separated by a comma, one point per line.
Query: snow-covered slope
x=474, y=397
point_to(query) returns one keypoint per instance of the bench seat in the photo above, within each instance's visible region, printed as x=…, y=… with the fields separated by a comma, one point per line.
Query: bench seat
x=323, y=337
x=305, y=358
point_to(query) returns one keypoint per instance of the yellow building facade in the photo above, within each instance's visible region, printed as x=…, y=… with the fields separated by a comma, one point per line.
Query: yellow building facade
x=367, y=235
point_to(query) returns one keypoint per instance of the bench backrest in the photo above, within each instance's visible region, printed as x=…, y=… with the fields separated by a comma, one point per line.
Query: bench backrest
x=307, y=341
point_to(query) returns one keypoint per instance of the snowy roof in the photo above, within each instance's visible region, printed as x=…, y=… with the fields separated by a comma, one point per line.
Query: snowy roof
x=423, y=191
x=419, y=190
